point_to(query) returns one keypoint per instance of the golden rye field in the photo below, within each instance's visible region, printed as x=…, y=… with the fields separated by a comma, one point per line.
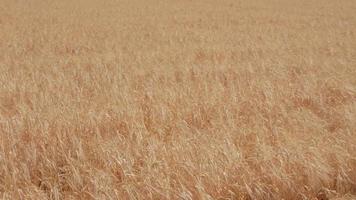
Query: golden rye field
x=178, y=99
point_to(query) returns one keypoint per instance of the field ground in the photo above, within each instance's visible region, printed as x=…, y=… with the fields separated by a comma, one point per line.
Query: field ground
x=178, y=99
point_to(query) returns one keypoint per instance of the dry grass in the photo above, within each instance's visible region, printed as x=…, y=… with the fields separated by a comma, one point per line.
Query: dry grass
x=177, y=99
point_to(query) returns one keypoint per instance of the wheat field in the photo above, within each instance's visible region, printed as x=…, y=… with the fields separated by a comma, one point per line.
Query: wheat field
x=178, y=99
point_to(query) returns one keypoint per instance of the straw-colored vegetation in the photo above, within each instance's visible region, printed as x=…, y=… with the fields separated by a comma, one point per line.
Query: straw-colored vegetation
x=177, y=99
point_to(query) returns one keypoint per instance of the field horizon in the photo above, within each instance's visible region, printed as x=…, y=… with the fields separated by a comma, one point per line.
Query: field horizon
x=178, y=99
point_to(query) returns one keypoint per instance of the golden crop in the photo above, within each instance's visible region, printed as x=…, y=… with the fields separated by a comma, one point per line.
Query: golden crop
x=177, y=99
